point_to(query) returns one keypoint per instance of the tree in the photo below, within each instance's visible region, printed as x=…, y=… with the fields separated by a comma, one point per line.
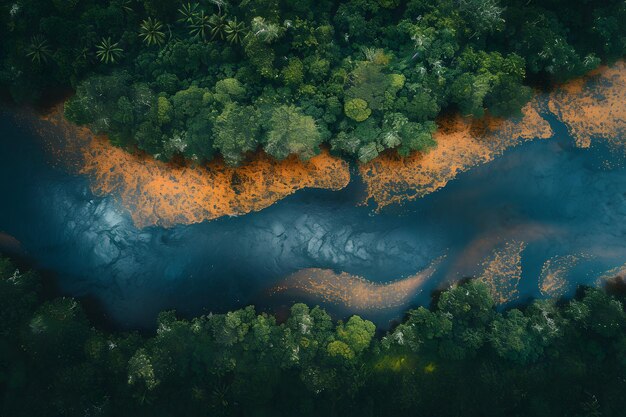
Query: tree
x=96, y=100
x=337, y=348
x=357, y=109
x=235, y=31
x=188, y=12
x=200, y=137
x=17, y=296
x=218, y=26
x=512, y=338
x=237, y=131
x=369, y=83
x=200, y=25
x=507, y=97
x=165, y=111
x=261, y=56
x=39, y=50
x=483, y=16
x=151, y=32
x=598, y=312
x=264, y=30
x=356, y=333
x=229, y=89
x=187, y=103
x=416, y=137
x=141, y=372
x=291, y=132
x=108, y=51
x=293, y=73
x=468, y=92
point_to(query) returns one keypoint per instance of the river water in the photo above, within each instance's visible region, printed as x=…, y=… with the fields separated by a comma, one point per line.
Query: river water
x=558, y=199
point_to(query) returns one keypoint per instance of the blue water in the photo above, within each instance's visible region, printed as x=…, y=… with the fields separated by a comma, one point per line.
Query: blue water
x=560, y=199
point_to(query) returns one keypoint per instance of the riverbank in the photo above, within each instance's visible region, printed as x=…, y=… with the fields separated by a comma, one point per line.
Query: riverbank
x=166, y=194
x=550, y=199
x=592, y=107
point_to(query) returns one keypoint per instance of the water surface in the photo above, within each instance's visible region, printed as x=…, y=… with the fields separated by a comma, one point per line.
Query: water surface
x=558, y=199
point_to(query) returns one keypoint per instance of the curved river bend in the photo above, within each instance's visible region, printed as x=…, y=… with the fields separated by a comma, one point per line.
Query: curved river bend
x=536, y=221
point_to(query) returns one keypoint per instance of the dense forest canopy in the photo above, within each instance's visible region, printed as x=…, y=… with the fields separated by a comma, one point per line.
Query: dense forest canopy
x=459, y=358
x=208, y=77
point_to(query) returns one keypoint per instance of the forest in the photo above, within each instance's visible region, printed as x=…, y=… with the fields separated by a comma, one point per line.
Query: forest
x=460, y=357
x=208, y=78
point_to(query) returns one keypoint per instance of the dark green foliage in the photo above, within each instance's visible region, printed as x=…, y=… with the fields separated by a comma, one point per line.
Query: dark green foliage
x=348, y=64
x=460, y=358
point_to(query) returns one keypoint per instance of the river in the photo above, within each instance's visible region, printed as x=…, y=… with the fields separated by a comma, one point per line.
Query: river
x=539, y=220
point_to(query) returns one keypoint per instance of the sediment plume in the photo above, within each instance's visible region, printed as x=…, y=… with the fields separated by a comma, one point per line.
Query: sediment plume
x=352, y=291
x=462, y=143
x=157, y=193
x=617, y=272
x=594, y=106
x=502, y=271
x=553, y=279
x=166, y=194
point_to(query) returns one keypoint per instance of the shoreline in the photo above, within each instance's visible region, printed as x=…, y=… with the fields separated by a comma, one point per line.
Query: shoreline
x=166, y=194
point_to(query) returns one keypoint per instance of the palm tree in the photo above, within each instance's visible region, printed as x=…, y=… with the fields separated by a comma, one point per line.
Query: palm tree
x=188, y=12
x=201, y=25
x=126, y=5
x=267, y=32
x=235, y=31
x=218, y=26
x=219, y=4
x=81, y=55
x=108, y=51
x=39, y=49
x=151, y=32
x=220, y=394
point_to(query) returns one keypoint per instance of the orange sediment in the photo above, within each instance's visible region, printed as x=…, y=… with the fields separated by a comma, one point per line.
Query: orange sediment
x=461, y=144
x=502, y=271
x=553, y=278
x=354, y=292
x=165, y=194
x=594, y=105
x=591, y=106
x=157, y=193
x=617, y=272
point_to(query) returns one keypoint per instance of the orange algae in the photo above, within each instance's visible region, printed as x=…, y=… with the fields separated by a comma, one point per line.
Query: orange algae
x=593, y=106
x=166, y=194
x=461, y=144
x=553, y=277
x=353, y=291
x=502, y=271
